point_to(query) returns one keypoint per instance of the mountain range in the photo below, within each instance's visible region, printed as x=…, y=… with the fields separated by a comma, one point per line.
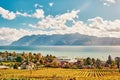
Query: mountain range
x=75, y=39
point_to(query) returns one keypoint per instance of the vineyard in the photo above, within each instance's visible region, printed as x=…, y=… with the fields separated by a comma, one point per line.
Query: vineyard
x=59, y=74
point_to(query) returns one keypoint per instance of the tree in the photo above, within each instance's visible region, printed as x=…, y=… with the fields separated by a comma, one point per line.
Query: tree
x=88, y=61
x=49, y=58
x=5, y=54
x=38, y=56
x=31, y=56
x=25, y=56
x=79, y=64
x=41, y=61
x=55, y=63
x=109, y=61
x=15, y=66
x=98, y=63
x=14, y=54
x=93, y=61
x=117, y=59
x=19, y=59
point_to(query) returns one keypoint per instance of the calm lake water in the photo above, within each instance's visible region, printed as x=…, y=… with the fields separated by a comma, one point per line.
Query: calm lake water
x=100, y=52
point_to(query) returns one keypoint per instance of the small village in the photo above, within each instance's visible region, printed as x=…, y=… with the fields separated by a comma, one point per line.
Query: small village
x=36, y=60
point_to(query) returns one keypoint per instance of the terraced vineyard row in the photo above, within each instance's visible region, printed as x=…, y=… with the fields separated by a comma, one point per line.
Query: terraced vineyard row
x=60, y=74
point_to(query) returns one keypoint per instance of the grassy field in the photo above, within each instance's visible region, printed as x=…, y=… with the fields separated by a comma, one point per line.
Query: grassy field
x=59, y=74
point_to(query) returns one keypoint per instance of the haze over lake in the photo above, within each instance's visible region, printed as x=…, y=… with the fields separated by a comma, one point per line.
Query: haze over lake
x=101, y=52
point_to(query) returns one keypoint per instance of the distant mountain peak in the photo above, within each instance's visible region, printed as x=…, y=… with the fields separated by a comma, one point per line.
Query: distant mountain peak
x=66, y=39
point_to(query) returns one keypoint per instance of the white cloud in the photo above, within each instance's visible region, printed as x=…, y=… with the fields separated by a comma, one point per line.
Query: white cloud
x=38, y=14
x=38, y=6
x=11, y=34
x=104, y=25
x=23, y=14
x=108, y=2
x=51, y=4
x=57, y=22
x=7, y=14
x=97, y=26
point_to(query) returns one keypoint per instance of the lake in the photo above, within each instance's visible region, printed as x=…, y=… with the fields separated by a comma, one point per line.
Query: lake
x=100, y=52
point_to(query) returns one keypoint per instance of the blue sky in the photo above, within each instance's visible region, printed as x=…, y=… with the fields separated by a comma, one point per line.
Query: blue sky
x=18, y=18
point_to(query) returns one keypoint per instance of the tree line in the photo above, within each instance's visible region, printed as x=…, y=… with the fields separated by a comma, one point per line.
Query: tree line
x=51, y=61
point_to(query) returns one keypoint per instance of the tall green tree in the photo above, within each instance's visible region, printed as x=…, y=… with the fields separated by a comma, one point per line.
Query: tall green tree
x=88, y=61
x=93, y=61
x=98, y=63
x=109, y=61
x=19, y=59
x=117, y=59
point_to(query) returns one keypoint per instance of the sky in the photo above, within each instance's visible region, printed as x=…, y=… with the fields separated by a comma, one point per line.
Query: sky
x=18, y=18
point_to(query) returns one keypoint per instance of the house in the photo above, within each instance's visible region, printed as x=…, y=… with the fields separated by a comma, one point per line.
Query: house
x=103, y=63
x=27, y=65
x=73, y=60
x=1, y=59
x=63, y=59
x=4, y=67
x=10, y=58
